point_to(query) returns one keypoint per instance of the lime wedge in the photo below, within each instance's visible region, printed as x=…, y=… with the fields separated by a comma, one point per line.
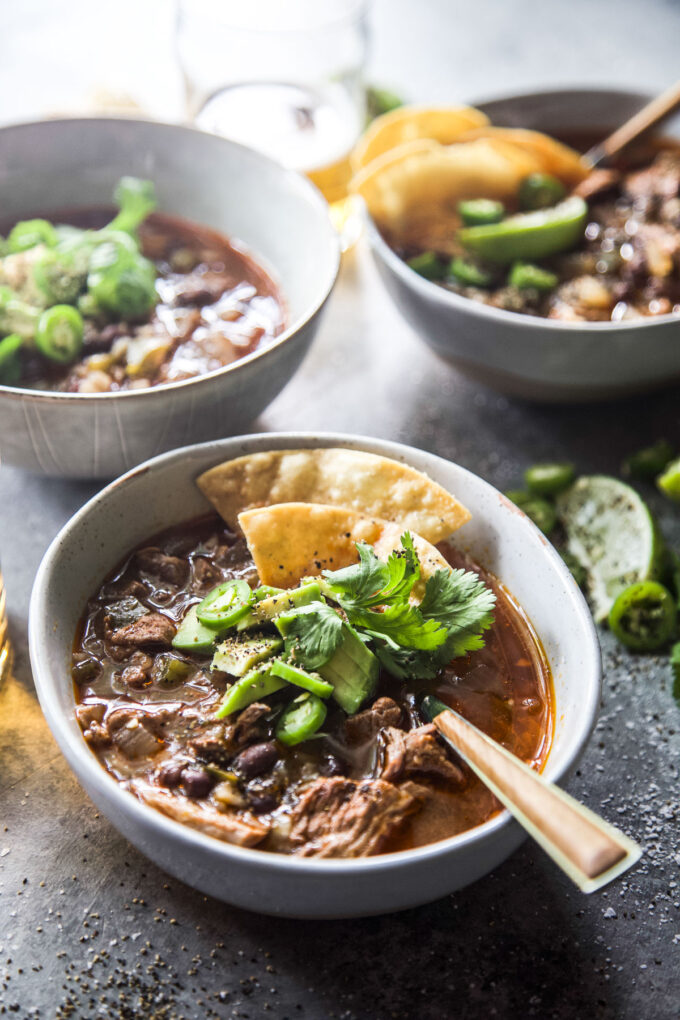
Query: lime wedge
x=612, y=534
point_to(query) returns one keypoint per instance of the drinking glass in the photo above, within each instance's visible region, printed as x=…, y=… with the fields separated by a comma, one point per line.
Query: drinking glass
x=282, y=76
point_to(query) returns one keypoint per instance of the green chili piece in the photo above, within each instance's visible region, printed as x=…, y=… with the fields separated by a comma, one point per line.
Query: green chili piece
x=575, y=567
x=379, y=101
x=475, y=212
x=539, y=191
x=650, y=461
x=303, y=717
x=468, y=274
x=30, y=233
x=226, y=604
x=675, y=666
x=669, y=481
x=644, y=617
x=526, y=276
x=539, y=510
x=10, y=359
x=549, y=479
x=301, y=678
x=428, y=265
x=529, y=235
x=59, y=335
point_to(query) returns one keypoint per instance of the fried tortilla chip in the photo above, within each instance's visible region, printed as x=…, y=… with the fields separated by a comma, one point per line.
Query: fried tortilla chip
x=289, y=541
x=557, y=159
x=410, y=123
x=423, y=182
x=364, y=482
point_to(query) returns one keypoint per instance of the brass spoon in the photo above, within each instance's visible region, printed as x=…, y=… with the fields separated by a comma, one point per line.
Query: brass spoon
x=650, y=114
x=589, y=850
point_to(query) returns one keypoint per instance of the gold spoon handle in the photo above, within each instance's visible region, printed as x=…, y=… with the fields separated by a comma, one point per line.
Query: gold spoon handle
x=650, y=114
x=589, y=850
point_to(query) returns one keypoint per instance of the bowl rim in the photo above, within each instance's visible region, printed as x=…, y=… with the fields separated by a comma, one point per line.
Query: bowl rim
x=296, y=182
x=84, y=763
x=459, y=302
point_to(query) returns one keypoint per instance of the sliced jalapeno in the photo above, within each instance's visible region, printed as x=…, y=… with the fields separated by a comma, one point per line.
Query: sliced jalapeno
x=428, y=265
x=59, y=335
x=644, y=616
x=539, y=510
x=468, y=274
x=539, y=191
x=525, y=276
x=477, y=211
x=549, y=479
x=303, y=717
x=226, y=604
x=10, y=359
x=650, y=461
x=675, y=666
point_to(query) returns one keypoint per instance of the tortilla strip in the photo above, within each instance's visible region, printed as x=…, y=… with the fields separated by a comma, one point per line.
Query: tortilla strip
x=424, y=181
x=290, y=541
x=364, y=482
x=410, y=123
x=558, y=159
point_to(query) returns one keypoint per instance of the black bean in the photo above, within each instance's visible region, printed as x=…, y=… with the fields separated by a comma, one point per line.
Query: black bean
x=333, y=766
x=261, y=803
x=256, y=759
x=170, y=774
x=197, y=782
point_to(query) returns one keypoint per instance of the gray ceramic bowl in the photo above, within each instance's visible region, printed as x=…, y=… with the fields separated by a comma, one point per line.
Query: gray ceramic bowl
x=161, y=493
x=520, y=354
x=276, y=213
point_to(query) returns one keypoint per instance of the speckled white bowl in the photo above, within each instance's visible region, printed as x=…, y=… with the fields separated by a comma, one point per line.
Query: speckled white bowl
x=277, y=214
x=160, y=494
x=523, y=355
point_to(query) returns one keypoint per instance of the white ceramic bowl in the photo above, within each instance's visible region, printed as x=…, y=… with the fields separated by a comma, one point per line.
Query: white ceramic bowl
x=161, y=493
x=523, y=355
x=277, y=214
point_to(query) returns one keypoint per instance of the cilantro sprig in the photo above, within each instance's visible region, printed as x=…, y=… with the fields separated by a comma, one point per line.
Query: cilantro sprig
x=371, y=598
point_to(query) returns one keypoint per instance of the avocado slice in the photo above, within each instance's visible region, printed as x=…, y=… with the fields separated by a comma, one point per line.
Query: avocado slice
x=353, y=672
x=269, y=608
x=193, y=636
x=252, y=687
x=238, y=655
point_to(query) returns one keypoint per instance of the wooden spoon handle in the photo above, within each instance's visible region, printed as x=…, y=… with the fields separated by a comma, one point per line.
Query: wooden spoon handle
x=587, y=848
x=650, y=114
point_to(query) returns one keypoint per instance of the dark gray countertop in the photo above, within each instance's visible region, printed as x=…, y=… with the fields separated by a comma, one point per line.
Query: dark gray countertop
x=89, y=928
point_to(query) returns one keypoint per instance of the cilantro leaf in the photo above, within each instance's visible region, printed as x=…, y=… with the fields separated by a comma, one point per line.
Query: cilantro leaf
x=370, y=582
x=403, y=624
x=459, y=600
x=312, y=634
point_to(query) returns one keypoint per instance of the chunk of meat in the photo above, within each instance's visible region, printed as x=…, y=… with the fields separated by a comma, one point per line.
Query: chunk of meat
x=219, y=742
x=136, y=673
x=345, y=818
x=136, y=732
x=417, y=752
x=367, y=724
x=90, y=716
x=150, y=629
x=660, y=180
x=159, y=564
x=201, y=287
x=206, y=575
x=230, y=828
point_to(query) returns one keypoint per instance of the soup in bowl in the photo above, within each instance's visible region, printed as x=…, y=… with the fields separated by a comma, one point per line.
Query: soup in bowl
x=241, y=693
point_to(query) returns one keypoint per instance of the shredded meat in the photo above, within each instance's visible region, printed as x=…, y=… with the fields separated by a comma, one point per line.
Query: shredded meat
x=228, y=827
x=343, y=818
x=150, y=629
x=135, y=732
x=417, y=752
x=365, y=725
x=160, y=564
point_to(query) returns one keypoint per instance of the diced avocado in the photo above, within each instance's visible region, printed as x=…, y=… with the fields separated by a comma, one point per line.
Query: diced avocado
x=301, y=678
x=269, y=608
x=238, y=655
x=353, y=672
x=252, y=687
x=192, y=636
